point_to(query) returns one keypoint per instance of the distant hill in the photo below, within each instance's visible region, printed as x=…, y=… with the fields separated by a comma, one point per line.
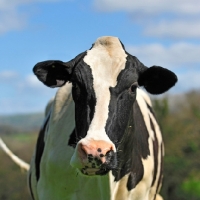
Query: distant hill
x=32, y=122
x=20, y=123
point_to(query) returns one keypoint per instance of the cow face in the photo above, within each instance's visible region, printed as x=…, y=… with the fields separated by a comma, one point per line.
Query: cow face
x=105, y=80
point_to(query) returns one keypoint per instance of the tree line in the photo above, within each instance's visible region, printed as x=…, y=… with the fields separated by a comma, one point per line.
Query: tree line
x=180, y=125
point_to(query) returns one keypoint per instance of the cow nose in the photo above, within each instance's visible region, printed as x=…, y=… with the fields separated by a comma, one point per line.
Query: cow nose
x=96, y=149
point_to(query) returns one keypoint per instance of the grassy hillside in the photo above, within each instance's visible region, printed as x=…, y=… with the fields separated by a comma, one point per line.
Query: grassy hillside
x=20, y=123
x=13, y=180
x=180, y=123
x=181, y=133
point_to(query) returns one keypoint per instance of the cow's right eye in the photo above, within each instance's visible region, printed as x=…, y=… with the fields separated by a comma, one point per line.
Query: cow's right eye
x=133, y=87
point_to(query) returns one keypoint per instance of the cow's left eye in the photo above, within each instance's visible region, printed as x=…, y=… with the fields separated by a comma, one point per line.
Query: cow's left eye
x=133, y=87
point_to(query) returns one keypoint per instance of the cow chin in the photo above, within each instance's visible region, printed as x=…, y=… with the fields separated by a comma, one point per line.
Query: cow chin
x=102, y=170
x=94, y=171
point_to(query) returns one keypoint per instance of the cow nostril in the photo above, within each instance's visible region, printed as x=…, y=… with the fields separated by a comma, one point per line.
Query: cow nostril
x=101, y=150
x=83, y=153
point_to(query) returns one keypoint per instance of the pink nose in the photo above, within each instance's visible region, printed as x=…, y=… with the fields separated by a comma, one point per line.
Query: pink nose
x=96, y=149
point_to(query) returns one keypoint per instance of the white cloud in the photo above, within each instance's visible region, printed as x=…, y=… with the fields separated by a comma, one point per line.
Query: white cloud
x=33, y=82
x=21, y=84
x=24, y=104
x=152, y=7
x=7, y=75
x=11, y=20
x=181, y=58
x=176, y=29
x=24, y=94
x=5, y=4
x=159, y=18
x=189, y=81
x=11, y=17
x=30, y=84
x=173, y=56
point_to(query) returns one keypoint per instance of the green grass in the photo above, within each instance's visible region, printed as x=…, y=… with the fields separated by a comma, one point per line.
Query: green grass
x=192, y=186
x=13, y=181
x=22, y=137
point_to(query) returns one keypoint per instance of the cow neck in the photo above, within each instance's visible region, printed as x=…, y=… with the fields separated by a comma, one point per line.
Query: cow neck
x=124, y=150
x=133, y=149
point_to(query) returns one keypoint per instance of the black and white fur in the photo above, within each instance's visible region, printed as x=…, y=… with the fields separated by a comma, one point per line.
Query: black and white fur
x=102, y=106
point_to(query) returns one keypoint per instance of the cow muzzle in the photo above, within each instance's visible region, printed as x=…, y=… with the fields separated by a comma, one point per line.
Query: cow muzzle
x=97, y=157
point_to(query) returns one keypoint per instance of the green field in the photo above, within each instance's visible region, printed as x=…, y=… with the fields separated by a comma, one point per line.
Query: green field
x=13, y=180
x=180, y=124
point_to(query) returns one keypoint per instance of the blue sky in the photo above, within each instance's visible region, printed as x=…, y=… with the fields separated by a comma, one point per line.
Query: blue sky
x=158, y=32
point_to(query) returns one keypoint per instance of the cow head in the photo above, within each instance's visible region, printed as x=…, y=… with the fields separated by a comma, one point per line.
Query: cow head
x=104, y=79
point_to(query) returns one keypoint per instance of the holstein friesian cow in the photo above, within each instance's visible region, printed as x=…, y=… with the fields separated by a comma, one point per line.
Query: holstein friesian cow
x=100, y=139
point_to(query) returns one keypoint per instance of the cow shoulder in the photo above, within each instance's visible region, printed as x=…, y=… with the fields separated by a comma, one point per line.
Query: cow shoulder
x=53, y=112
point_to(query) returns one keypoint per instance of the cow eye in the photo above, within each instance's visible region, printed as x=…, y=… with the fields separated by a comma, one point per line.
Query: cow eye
x=133, y=87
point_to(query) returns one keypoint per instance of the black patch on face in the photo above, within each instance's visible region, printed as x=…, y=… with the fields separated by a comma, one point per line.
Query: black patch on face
x=126, y=127
x=140, y=149
x=84, y=98
x=133, y=147
x=129, y=162
x=40, y=148
x=141, y=133
x=121, y=103
x=30, y=186
x=136, y=63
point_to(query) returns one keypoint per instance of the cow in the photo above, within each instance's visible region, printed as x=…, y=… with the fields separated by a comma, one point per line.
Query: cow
x=100, y=139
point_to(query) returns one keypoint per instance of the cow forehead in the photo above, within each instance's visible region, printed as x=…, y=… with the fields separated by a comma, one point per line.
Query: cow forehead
x=106, y=59
x=108, y=42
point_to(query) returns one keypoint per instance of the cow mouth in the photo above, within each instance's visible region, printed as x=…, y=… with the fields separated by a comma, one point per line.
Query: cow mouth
x=94, y=171
x=96, y=167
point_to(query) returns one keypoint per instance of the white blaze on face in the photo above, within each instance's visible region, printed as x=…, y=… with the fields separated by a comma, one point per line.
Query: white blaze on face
x=106, y=59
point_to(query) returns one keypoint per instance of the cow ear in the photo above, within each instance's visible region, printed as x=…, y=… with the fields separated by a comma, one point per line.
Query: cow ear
x=157, y=80
x=53, y=73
